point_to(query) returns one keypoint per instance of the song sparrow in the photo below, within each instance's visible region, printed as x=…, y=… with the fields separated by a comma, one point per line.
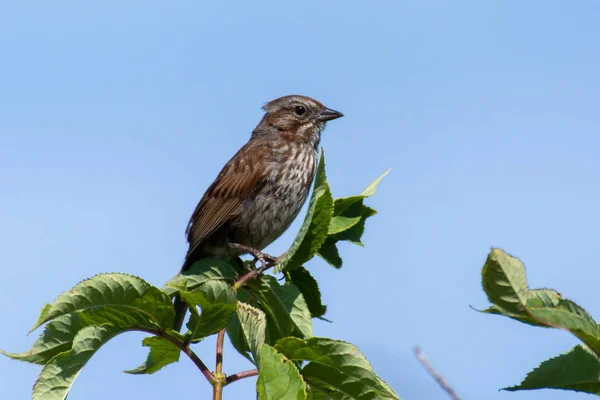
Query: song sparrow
x=259, y=192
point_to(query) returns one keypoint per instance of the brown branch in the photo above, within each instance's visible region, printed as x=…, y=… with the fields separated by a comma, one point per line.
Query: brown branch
x=219, y=377
x=220, y=340
x=241, y=375
x=186, y=350
x=255, y=272
x=440, y=380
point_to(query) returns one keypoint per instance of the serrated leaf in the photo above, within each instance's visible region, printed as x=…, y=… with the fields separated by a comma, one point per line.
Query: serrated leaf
x=353, y=234
x=118, y=299
x=217, y=303
x=536, y=298
x=370, y=190
x=331, y=255
x=340, y=223
x=279, y=322
x=578, y=370
x=202, y=271
x=162, y=353
x=57, y=337
x=336, y=366
x=309, y=288
x=253, y=323
x=315, y=226
x=279, y=379
x=237, y=338
x=296, y=306
x=505, y=284
x=348, y=211
x=60, y=373
x=570, y=316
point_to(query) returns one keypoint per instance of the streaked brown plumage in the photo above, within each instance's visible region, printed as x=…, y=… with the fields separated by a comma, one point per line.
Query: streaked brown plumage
x=259, y=192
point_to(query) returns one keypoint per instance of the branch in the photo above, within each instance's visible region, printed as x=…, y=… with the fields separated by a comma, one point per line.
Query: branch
x=220, y=340
x=440, y=380
x=219, y=377
x=186, y=350
x=241, y=375
x=256, y=272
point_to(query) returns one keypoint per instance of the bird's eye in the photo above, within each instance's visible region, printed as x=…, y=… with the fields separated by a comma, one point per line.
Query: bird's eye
x=299, y=110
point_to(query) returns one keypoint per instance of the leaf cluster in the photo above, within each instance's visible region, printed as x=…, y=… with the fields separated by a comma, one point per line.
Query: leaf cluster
x=505, y=283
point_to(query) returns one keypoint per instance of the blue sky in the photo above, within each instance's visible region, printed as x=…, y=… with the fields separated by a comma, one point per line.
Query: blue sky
x=116, y=116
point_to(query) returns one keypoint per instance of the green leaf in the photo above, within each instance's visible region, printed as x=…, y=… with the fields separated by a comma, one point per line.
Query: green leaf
x=218, y=304
x=578, y=370
x=253, y=325
x=237, y=338
x=315, y=394
x=336, y=367
x=309, y=288
x=279, y=321
x=279, y=378
x=570, y=316
x=505, y=284
x=202, y=271
x=351, y=206
x=339, y=223
x=296, y=307
x=60, y=373
x=57, y=337
x=162, y=353
x=331, y=254
x=372, y=188
x=316, y=224
x=118, y=299
x=354, y=234
x=536, y=298
x=350, y=211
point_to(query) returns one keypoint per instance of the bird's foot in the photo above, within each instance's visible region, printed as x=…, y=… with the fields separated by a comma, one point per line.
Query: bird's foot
x=258, y=255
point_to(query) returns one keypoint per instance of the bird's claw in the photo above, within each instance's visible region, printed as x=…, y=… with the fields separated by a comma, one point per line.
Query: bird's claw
x=258, y=255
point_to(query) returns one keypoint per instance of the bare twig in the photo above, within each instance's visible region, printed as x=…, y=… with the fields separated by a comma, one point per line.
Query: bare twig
x=241, y=375
x=440, y=380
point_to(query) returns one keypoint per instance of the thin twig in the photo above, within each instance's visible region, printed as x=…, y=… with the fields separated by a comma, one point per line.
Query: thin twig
x=440, y=380
x=255, y=272
x=186, y=350
x=241, y=375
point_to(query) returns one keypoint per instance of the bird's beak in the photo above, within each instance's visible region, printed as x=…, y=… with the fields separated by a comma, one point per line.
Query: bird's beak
x=328, y=114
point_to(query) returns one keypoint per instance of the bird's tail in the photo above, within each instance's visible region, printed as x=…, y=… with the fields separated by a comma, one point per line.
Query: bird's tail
x=181, y=306
x=180, y=311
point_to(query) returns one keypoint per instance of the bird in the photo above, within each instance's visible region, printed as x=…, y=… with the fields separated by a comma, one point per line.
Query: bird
x=261, y=189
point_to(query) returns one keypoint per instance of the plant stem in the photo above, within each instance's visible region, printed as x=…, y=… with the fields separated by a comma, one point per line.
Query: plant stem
x=241, y=375
x=219, y=376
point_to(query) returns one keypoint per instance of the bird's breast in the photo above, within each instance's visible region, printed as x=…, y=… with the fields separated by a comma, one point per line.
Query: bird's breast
x=273, y=207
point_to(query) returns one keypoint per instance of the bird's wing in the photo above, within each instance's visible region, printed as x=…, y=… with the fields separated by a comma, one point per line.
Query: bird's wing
x=240, y=177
